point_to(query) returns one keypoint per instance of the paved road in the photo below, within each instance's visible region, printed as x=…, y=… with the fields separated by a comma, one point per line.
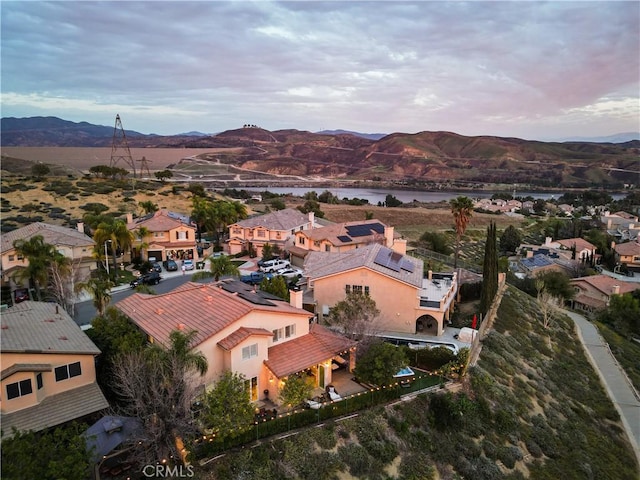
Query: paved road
x=613, y=378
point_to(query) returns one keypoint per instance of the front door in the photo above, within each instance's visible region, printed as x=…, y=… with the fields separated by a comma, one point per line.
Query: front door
x=321, y=376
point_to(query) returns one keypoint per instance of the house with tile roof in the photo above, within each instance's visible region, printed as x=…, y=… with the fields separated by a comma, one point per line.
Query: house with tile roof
x=628, y=254
x=342, y=237
x=409, y=301
x=594, y=292
x=247, y=331
x=72, y=243
x=275, y=228
x=584, y=249
x=171, y=236
x=48, y=369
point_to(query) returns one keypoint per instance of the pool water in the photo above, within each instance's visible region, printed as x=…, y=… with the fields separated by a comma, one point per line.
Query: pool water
x=405, y=372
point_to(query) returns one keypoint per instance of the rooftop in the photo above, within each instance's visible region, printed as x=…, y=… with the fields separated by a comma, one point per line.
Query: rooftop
x=52, y=234
x=286, y=219
x=605, y=283
x=161, y=221
x=349, y=232
x=628, y=248
x=42, y=327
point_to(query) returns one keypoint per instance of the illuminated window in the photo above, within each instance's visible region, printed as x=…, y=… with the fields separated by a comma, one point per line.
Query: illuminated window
x=252, y=386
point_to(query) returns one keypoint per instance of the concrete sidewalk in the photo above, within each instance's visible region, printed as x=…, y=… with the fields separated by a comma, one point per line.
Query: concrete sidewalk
x=614, y=379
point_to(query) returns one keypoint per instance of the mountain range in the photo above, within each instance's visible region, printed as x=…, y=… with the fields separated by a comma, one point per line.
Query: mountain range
x=413, y=159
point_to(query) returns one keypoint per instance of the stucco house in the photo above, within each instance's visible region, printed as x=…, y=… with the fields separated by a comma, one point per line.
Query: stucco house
x=274, y=228
x=409, y=301
x=628, y=254
x=48, y=369
x=243, y=330
x=72, y=243
x=594, y=292
x=171, y=236
x=342, y=237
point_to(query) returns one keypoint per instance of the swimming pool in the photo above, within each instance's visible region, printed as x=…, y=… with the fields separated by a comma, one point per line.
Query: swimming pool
x=405, y=372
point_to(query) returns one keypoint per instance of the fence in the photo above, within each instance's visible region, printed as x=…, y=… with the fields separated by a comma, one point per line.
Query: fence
x=209, y=445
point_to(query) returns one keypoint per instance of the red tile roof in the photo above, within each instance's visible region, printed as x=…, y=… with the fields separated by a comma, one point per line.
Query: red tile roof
x=241, y=334
x=628, y=248
x=303, y=352
x=605, y=284
x=161, y=221
x=580, y=243
x=206, y=308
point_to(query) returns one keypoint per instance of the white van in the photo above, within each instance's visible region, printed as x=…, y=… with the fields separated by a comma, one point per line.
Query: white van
x=275, y=264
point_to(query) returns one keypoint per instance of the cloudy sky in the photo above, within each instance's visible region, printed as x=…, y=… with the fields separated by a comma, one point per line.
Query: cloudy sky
x=533, y=70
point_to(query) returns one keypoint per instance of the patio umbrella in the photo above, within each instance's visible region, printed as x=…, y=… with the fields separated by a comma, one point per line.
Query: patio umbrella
x=474, y=322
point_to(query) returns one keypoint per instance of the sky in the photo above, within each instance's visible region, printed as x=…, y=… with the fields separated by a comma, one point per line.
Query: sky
x=533, y=70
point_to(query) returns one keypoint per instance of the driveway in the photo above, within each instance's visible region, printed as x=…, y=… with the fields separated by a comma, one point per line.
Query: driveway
x=615, y=381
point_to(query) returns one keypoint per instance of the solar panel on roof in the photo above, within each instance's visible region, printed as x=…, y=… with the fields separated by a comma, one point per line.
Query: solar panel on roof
x=255, y=299
x=344, y=238
x=364, y=230
x=384, y=258
x=407, y=265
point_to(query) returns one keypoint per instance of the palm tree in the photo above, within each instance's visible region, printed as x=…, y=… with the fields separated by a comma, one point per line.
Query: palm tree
x=202, y=214
x=221, y=266
x=462, y=209
x=179, y=350
x=142, y=233
x=148, y=206
x=40, y=256
x=120, y=236
x=100, y=290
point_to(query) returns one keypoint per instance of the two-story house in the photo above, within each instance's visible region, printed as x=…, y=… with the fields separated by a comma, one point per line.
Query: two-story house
x=274, y=228
x=594, y=292
x=170, y=236
x=72, y=243
x=628, y=254
x=48, y=369
x=248, y=332
x=409, y=301
x=342, y=237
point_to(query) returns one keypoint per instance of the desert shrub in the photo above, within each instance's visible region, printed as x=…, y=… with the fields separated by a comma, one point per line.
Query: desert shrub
x=416, y=466
x=509, y=455
x=358, y=459
x=431, y=359
x=478, y=468
x=490, y=449
x=95, y=208
x=60, y=187
x=72, y=198
x=324, y=437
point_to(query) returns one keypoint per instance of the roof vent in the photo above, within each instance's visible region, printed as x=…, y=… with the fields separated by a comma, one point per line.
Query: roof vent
x=50, y=320
x=5, y=327
x=159, y=311
x=181, y=326
x=209, y=298
x=63, y=338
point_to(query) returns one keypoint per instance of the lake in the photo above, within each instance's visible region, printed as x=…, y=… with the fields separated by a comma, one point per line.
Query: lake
x=375, y=195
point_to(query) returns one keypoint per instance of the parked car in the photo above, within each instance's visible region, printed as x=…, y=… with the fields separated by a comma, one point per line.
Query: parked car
x=274, y=265
x=290, y=273
x=171, y=266
x=254, y=278
x=151, y=278
x=188, y=264
x=21, y=295
x=156, y=267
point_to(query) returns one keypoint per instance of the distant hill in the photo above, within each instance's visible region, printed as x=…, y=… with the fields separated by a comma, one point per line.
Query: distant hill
x=617, y=138
x=418, y=159
x=369, y=136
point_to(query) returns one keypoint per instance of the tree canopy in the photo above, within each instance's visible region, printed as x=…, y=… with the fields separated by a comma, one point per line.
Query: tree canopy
x=380, y=363
x=510, y=239
x=356, y=315
x=462, y=209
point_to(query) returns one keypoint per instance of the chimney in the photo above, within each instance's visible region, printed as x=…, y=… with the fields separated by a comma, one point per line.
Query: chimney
x=529, y=254
x=615, y=290
x=429, y=275
x=80, y=227
x=312, y=219
x=129, y=218
x=400, y=246
x=613, y=245
x=547, y=241
x=295, y=298
x=388, y=236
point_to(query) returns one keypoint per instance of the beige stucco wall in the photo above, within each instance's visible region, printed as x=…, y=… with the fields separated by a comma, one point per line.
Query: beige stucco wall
x=396, y=301
x=50, y=386
x=219, y=360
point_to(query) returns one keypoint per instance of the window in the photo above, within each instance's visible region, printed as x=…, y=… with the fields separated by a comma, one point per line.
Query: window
x=39, y=380
x=327, y=248
x=357, y=288
x=182, y=235
x=252, y=386
x=19, y=389
x=250, y=351
x=237, y=231
x=68, y=371
x=12, y=258
x=290, y=330
x=158, y=234
x=366, y=290
x=277, y=335
x=20, y=257
x=347, y=289
x=260, y=233
x=301, y=240
x=316, y=243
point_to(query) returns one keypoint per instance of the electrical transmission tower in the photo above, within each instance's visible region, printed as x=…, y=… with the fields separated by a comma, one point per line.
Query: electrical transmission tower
x=120, y=147
x=144, y=166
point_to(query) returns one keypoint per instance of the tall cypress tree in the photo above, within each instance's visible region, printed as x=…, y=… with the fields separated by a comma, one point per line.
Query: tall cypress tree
x=490, y=269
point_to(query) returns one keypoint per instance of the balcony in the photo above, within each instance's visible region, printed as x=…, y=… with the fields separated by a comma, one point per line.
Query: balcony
x=437, y=292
